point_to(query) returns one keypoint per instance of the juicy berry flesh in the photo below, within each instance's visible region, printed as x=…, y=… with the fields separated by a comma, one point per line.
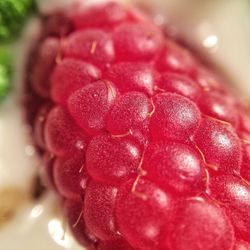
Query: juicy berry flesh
x=147, y=147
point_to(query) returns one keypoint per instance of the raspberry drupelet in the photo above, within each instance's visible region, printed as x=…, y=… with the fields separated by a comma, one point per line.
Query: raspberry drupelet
x=148, y=148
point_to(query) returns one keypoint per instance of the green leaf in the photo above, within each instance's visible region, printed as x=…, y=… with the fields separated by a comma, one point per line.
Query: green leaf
x=5, y=71
x=13, y=14
x=4, y=81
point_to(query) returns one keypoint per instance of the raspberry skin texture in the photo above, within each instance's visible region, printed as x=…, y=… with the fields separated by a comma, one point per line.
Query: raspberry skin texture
x=72, y=74
x=196, y=223
x=146, y=146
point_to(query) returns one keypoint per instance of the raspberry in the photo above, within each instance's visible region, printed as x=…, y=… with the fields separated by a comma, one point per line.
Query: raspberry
x=71, y=75
x=70, y=176
x=234, y=194
x=199, y=223
x=179, y=84
x=137, y=41
x=141, y=211
x=224, y=152
x=73, y=212
x=109, y=15
x=174, y=58
x=92, y=45
x=245, y=170
x=132, y=76
x=130, y=111
x=100, y=220
x=174, y=117
x=44, y=65
x=112, y=160
x=216, y=105
x=145, y=145
x=175, y=166
x=39, y=125
x=62, y=136
x=241, y=245
x=89, y=105
x=117, y=244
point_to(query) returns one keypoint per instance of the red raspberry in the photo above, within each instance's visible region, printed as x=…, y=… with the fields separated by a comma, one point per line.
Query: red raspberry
x=145, y=145
x=241, y=245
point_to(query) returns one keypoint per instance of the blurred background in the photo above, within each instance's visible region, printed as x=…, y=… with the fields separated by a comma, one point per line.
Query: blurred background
x=219, y=29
